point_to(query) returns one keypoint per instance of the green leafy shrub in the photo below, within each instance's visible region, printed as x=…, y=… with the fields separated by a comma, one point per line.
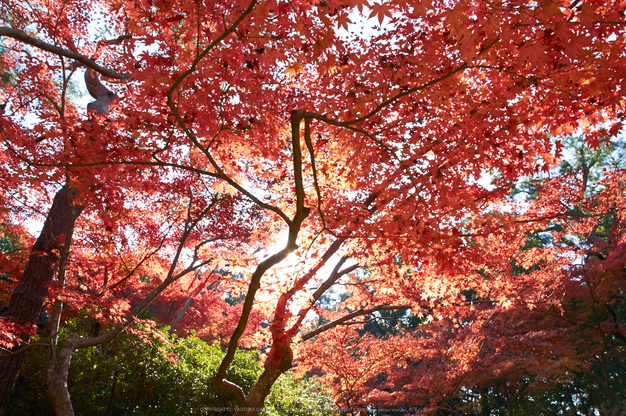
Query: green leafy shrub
x=132, y=376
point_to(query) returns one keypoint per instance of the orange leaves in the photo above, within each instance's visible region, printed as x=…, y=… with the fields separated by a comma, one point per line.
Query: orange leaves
x=401, y=125
x=533, y=53
x=10, y=333
x=596, y=138
x=343, y=21
x=422, y=7
x=455, y=19
x=380, y=10
x=293, y=69
x=360, y=5
x=552, y=9
x=587, y=16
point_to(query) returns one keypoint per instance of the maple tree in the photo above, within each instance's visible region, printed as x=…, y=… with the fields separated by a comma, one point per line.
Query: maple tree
x=270, y=151
x=569, y=340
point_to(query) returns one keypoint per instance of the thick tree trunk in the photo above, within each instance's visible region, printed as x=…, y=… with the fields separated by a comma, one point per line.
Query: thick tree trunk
x=279, y=360
x=255, y=401
x=57, y=380
x=27, y=300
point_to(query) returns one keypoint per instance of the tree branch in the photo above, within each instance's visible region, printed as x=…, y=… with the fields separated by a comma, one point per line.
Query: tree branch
x=24, y=348
x=23, y=37
x=352, y=315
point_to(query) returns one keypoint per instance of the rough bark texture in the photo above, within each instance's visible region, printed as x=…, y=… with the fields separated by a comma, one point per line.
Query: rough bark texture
x=27, y=300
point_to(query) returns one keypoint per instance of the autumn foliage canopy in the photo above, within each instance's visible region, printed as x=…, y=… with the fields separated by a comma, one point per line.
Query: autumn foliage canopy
x=334, y=184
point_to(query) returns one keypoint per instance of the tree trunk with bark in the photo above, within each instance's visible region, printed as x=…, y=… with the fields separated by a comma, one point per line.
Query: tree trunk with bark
x=28, y=299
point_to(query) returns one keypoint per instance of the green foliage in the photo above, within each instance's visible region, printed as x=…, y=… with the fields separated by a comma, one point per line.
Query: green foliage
x=8, y=243
x=297, y=397
x=133, y=376
x=6, y=77
x=30, y=396
x=574, y=395
x=11, y=249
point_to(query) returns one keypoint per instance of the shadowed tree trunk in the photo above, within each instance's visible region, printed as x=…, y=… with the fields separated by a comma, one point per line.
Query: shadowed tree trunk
x=484, y=402
x=27, y=300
